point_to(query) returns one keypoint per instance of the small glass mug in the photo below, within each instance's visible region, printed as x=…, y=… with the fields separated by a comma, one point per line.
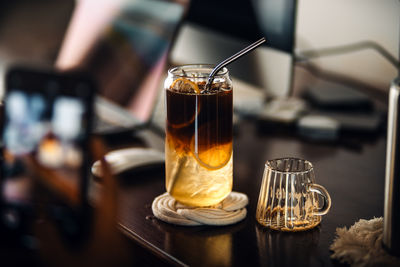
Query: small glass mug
x=288, y=199
x=198, y=142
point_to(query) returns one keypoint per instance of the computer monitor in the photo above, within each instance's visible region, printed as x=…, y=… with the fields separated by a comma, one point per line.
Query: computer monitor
x=214, y=30
x=249, y=19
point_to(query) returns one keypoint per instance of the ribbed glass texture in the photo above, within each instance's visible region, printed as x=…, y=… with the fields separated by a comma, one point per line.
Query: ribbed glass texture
x=288, y=199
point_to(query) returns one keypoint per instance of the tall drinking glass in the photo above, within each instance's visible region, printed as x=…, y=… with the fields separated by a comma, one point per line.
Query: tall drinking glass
x=198, y=144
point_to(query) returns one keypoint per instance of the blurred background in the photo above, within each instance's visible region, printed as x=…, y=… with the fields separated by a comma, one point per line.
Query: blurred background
x=334, y=23
x=33, y=32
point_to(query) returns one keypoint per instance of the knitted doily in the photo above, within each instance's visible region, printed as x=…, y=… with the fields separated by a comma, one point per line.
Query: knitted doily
x=231, y=210
x=361, y=245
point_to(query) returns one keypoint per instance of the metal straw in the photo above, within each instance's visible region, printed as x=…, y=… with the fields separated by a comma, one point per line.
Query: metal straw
x=231, y=59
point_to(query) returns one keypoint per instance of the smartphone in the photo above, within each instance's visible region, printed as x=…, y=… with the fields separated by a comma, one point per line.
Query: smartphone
x=45, y=136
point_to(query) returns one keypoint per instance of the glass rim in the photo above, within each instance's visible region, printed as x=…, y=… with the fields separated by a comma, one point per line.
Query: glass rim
x=220, y=73
x=269, y=166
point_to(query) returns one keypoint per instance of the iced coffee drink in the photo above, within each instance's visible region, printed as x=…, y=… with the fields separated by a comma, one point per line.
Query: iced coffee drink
x=198, y=147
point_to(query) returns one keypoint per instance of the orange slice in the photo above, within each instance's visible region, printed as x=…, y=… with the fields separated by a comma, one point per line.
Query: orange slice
x=215, y=157
x=185, y=86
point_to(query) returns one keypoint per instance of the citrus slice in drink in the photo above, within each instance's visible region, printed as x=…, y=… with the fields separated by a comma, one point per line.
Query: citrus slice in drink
x=213, y=158
x=184, y=85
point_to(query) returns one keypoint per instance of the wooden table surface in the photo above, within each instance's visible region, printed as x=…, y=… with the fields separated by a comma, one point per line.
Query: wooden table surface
x=351, y=170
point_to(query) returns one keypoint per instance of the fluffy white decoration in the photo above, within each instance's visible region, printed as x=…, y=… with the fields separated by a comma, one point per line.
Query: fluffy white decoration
x=361, y=245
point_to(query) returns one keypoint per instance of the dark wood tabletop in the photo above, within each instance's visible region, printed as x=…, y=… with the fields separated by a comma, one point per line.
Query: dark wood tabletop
x=351, y=169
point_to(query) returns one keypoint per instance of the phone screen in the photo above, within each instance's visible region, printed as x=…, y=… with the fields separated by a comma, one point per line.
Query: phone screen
x=45, y=133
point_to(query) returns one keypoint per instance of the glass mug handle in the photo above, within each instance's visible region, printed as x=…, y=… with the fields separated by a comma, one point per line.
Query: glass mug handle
x=319, y=189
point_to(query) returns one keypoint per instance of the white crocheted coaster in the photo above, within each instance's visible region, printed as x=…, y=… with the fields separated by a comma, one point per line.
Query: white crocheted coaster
x=231, y=210
x=361, y=245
